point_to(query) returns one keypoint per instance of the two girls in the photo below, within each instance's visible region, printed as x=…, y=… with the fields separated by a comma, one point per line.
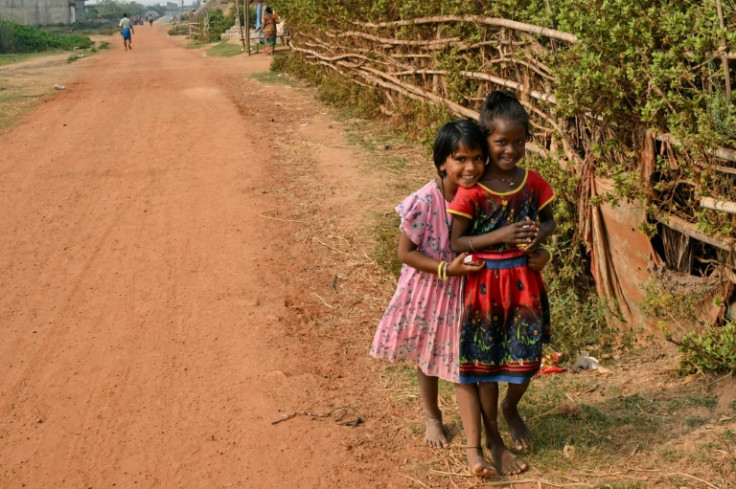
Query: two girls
x=423, y=319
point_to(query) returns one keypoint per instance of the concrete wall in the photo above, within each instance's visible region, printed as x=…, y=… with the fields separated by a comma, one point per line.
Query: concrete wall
x=34, y=12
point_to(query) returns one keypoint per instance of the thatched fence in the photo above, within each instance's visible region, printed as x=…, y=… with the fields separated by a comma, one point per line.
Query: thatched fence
x=649, y=206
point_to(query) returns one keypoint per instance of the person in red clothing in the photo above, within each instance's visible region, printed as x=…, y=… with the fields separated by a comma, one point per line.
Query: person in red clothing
x=269, y=31
x=502, y=220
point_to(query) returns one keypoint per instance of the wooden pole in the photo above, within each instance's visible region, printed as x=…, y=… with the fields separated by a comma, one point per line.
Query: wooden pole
x=724, y=48
x=718, y=205
x=688, y=229
x=246, y=6
x=237, y=12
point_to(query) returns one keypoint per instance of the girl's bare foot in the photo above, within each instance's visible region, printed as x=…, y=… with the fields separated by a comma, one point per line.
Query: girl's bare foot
x=435, y=436
x=506, y=462
x=477, y=464
x=520, y=433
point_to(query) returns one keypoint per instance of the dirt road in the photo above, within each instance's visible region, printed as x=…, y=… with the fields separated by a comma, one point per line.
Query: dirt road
x=154, y=325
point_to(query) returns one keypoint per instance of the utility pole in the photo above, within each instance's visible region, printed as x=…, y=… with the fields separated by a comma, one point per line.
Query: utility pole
x=237, y=12
x=246, y=6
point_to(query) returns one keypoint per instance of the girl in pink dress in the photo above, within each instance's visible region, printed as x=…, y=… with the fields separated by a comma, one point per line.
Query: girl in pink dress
x=422, y=322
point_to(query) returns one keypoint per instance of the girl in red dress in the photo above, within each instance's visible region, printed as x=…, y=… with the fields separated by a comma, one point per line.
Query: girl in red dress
x=502, y=220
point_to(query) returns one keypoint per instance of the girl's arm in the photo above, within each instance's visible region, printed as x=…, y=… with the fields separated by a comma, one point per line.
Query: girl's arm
x=409, y=254
x=546, y=227
x=547, y=224
x=459, y=242
x=516, y=234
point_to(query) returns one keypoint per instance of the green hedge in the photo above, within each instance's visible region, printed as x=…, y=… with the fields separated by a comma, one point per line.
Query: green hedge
x=638, y=62
x=636, y=65
x=16, y=38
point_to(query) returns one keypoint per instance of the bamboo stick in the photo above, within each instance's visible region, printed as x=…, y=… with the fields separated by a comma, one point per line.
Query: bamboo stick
x=682, y=226
x=400, y=42
x=391, y=83
x=537, y=63
x=718, y=205
x=458, y=109
x=530, y=66
x=727, y=154
x=357, y=71
x=410, y=55
x=472, y=75
x=477, y=19
x=339, y=57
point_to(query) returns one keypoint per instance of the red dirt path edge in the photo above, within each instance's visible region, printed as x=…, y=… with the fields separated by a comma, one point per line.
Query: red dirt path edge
x=154, y=325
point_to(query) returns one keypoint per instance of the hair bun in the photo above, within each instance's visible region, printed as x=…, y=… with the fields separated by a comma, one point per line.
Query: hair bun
x=497, y=97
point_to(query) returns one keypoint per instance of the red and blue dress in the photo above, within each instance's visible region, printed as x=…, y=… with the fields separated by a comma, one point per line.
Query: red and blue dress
x=505, y=306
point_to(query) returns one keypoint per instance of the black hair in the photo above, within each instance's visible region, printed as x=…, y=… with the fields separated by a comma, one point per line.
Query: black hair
x=455, y=134
x=502, y=104
x=269, y=10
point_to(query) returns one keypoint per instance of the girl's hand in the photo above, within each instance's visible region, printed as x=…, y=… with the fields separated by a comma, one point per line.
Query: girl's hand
x=519, y=233
x=457, y=267
x=538, y=259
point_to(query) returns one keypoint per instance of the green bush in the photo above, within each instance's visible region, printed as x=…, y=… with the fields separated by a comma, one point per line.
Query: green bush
x=219, y=23
x=16, y=38
x=636, y=65
x=179, y=30
x=713, y=351
x=7, y=40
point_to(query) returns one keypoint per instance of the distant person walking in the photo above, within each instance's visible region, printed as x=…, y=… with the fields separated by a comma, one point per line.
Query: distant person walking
x=126, y=30
x=269, y=31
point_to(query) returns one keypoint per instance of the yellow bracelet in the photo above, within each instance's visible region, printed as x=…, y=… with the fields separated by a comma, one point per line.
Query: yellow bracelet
x=439, y=269
x=444, y=271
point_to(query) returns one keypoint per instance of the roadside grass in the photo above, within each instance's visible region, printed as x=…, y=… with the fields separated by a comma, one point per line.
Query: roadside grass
x=75, y=57
x=13, y=104
x=11, y=58
x=225, y=49
x=588, y=433
x=386, y=234
x=271, y=78
x=197, y=44
x=405, y=170
x=84, y=29
x=18, y=98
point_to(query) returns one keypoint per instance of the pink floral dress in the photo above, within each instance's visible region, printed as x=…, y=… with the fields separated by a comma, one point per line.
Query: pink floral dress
x=422, y=321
